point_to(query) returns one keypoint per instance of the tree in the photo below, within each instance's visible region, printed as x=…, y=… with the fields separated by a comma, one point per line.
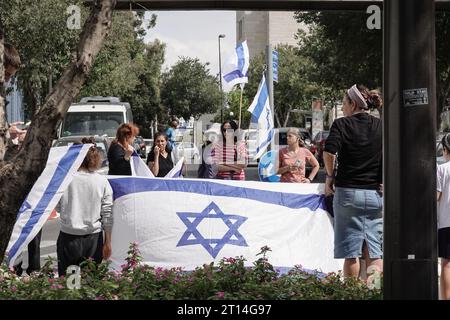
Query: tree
x=344, y=51
x=18, y=176
x=145, y=99
x=232, y=112
x=128, y=68
x=189, y=90
x=39, y=29
x=120, y=62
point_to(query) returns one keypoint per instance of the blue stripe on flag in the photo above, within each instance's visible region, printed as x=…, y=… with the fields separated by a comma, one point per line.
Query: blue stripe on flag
x=241, y=58
x=125, y=186
x=58, y=177
x=262, y=99
x=233, y=75
x=266, y=142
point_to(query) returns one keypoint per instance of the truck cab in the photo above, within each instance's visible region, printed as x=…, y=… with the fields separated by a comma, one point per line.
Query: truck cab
x=95, y=116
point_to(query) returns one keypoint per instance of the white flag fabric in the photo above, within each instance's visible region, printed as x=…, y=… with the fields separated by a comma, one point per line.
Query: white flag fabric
x=235, y=68
x=139, y=167
x=177, y=170
x=62, y=164
x=262, y=118
x=188, y=222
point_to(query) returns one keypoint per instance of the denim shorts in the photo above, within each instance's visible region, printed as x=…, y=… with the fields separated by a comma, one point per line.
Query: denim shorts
x=358, y=218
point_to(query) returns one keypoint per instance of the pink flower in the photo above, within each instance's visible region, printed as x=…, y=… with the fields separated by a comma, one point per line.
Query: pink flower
x=13, y=289
x=56, y=286
x=220, y=294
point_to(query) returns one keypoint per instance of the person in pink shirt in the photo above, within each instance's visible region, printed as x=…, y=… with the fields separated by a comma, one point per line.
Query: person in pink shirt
x=292, y=160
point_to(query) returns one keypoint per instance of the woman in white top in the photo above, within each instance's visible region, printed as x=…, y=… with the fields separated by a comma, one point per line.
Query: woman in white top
x=443, y=217
x=86, y=212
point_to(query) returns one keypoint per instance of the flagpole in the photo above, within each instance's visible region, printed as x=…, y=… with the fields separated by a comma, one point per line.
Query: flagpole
x=240, y=104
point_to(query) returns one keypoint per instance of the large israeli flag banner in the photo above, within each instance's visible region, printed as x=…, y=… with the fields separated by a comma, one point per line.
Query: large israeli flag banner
x=61, y=166
x=262, y=118
x=189, y=222
x=235, y=67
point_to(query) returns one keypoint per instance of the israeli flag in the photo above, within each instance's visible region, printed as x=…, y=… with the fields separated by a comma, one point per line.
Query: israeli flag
x=262, y=118
x=189, y=222
x=139, y=167
x=235, y=67
x=177, y=170
x=62, y=164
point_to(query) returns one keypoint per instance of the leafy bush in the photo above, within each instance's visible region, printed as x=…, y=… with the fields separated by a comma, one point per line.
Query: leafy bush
x=230, y=279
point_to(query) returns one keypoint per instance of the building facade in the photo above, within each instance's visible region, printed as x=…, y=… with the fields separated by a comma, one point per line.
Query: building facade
x=261, y=28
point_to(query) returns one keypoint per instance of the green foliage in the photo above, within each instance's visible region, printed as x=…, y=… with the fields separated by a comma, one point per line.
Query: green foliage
x=189, y=90
x=443, y=59
x=38, y=29
x=120, y=61
x=344, y=51
x=230, y=279
x=232, y=112
x=128, y=68
x=125, y=67
x=145, y=98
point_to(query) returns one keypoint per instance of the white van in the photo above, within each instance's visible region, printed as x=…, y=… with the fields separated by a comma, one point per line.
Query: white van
x=95, y=116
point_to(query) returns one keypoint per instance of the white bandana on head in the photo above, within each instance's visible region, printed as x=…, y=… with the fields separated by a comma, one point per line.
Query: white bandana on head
x=356, y=96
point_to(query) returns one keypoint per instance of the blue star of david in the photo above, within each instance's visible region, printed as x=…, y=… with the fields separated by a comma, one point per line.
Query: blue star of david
x=213, y=246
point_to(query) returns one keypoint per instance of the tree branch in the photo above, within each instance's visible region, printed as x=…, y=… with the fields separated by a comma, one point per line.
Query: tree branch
x=17, y=177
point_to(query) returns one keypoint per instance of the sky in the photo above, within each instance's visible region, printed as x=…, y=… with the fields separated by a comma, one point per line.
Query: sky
x=195, y=34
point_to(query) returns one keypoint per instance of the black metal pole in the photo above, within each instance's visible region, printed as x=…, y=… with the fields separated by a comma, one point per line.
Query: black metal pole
x=410, y=231
x=220, y=78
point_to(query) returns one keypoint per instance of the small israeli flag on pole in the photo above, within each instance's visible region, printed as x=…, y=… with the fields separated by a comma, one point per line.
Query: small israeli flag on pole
x=262, y=118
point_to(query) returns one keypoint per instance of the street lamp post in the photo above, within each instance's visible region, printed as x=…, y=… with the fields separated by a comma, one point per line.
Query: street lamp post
x=220, y=78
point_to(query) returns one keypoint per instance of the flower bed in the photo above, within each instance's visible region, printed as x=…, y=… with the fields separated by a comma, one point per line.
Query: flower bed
x=230, y=279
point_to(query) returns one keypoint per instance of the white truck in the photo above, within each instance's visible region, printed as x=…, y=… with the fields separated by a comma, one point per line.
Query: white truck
x=95, y=116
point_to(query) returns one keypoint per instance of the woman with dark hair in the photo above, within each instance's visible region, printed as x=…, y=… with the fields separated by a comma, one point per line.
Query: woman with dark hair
x=356, y=141
x=229, y=154
x=292, y=160
x=86, y=211
x=159, y=158
x=120, y=151
x=443, y=217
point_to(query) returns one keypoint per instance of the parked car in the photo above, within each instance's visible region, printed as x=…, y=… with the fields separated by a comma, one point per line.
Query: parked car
x=102, y=144
x=319, y=143
x=188, y=150
x=139, y=146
